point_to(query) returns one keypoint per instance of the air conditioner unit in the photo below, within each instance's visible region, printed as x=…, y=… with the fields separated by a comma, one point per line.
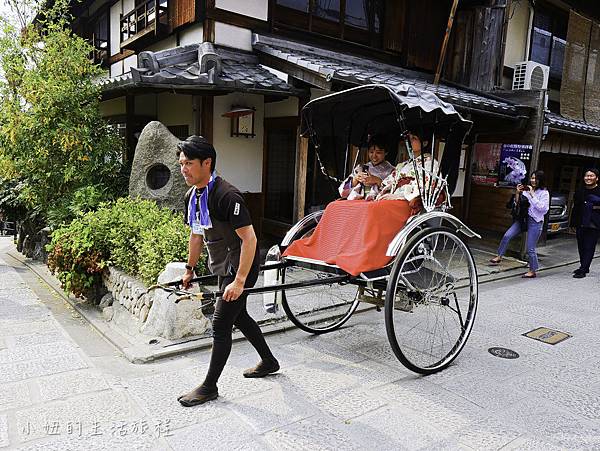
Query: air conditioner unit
x=530, y=75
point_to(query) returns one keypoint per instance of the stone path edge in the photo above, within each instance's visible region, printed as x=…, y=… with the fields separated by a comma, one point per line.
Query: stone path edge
x=141, y=355
x=137, y=354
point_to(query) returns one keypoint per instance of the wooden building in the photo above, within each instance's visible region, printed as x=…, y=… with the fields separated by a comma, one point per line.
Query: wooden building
x=272, y=56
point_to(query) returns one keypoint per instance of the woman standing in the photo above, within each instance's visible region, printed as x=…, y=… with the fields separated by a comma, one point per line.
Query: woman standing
x=586, y=217
x=539, y=203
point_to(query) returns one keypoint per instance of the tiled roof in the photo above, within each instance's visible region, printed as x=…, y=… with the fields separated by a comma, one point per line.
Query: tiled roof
x=557, y=121
x=181, y=67
x=353, y=70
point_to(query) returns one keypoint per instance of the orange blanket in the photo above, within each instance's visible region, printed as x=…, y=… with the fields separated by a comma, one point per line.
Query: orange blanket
x=354, y=234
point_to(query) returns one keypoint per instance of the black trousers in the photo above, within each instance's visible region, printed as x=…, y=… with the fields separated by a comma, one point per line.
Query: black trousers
x=227, y=315
x=587, y=238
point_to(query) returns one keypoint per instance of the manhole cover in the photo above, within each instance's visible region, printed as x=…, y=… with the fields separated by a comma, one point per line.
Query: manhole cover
x=504, y=353
x=547, y=335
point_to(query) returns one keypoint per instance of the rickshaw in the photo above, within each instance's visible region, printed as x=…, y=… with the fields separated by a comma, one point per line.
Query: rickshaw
x=428, y=288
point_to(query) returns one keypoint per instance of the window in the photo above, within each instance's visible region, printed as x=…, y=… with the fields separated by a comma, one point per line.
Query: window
x=96, y=33
x=353, y=20
x=328, y=9
x=300, y=5
x=356, y=14
x=548, y=38
x=180, y=131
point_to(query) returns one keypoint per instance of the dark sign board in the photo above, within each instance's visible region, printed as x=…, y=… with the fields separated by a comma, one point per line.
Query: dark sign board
x=485, y=163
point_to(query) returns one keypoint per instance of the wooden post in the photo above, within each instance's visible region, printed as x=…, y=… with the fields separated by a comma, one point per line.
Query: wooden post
x=301, y=173
x=438, y=72
x=129, y=124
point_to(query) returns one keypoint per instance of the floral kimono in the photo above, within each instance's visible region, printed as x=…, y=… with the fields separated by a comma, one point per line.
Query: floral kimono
x=402, y=182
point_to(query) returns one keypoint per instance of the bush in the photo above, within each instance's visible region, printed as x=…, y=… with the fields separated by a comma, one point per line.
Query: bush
x=134, y=235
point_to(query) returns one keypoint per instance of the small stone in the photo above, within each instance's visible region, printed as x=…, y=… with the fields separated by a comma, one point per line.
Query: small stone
x=144, y=313
x=108, y=313
x=106, y=301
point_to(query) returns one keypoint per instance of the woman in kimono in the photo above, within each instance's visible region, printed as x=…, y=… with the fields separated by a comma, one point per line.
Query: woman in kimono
x=402, y=183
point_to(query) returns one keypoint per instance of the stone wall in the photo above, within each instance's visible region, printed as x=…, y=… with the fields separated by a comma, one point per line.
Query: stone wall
x=128, y=292
x=153, y=313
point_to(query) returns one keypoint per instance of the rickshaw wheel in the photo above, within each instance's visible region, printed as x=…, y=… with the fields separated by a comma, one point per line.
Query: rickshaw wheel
x=431, y=300
x=321, y=308
x=317, y=309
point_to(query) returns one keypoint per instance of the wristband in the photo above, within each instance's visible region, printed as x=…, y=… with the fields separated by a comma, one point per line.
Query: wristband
x=189, y=267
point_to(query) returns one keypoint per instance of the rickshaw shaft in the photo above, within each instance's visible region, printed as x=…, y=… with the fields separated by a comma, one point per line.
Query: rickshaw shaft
x=286, y=286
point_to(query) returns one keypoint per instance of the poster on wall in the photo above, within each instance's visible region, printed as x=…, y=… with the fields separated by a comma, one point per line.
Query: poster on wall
x=486, y=157
x=515, y=160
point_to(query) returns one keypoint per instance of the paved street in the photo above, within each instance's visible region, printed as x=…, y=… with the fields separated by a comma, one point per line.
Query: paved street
x=62, y=386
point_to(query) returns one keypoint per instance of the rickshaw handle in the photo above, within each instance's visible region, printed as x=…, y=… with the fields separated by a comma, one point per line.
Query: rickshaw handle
x=213, y=295
x=179, y=283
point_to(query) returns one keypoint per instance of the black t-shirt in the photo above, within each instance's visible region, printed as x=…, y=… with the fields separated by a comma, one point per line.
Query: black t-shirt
x=578, y=201
x=225, y=203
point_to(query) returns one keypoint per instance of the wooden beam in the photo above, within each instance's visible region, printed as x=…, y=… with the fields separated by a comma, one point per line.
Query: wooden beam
x=296, y=72
x=120, y=56
x=440, y=65
x=301, y=173
x=207, y=117
x=239, y=20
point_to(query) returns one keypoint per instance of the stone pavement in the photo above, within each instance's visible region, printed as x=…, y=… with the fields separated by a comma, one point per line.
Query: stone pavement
x=63, y=387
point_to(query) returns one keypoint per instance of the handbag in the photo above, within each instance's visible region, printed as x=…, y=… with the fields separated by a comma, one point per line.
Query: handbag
x=519, y=210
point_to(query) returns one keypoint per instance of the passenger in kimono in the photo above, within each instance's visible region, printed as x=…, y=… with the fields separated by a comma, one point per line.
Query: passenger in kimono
x=365, y=181
x=402, y=183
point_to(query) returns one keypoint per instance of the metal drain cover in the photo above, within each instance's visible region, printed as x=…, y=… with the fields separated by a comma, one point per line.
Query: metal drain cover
x=546, y=335
x=503, y=353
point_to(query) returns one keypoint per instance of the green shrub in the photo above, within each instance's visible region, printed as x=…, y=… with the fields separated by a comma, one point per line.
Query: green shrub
x=134, y=235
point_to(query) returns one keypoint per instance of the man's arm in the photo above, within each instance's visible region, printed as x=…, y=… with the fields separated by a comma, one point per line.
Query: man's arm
x=194, y=252
x=247, y=251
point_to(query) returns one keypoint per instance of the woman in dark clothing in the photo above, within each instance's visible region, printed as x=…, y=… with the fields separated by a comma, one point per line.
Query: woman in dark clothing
x=586, y=218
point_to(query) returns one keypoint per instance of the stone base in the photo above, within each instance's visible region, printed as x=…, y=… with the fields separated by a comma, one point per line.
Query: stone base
x=154, y=313
x=170, y=320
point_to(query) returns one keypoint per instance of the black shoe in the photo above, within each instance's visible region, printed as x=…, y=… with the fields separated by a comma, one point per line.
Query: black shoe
x=197, y=396
x=579, y=275
x=577, y=270
x=262, y=369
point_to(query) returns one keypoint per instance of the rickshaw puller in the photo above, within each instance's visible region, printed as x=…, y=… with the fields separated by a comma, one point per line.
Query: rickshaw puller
x=218, y=216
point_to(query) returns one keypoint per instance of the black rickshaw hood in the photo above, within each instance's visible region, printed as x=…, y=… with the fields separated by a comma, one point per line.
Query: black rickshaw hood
x=375, y=108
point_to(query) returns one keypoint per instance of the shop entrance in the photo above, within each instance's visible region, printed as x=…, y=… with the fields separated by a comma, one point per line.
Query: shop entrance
x=279, y=174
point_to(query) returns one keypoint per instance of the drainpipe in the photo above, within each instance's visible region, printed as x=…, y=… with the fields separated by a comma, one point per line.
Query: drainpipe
x=529, y=31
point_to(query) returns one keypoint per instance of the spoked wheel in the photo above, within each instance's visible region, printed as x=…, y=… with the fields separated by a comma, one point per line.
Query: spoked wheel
x=317, y=309
x=431, y=300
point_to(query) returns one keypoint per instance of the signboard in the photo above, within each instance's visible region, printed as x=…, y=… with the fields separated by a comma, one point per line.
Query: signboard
x=514, y=164
x=485, y=163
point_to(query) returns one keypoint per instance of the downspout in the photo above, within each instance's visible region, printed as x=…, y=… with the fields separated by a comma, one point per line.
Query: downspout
x=529, y=31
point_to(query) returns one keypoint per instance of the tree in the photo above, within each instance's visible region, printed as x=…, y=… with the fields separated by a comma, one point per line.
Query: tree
x=53, y=140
